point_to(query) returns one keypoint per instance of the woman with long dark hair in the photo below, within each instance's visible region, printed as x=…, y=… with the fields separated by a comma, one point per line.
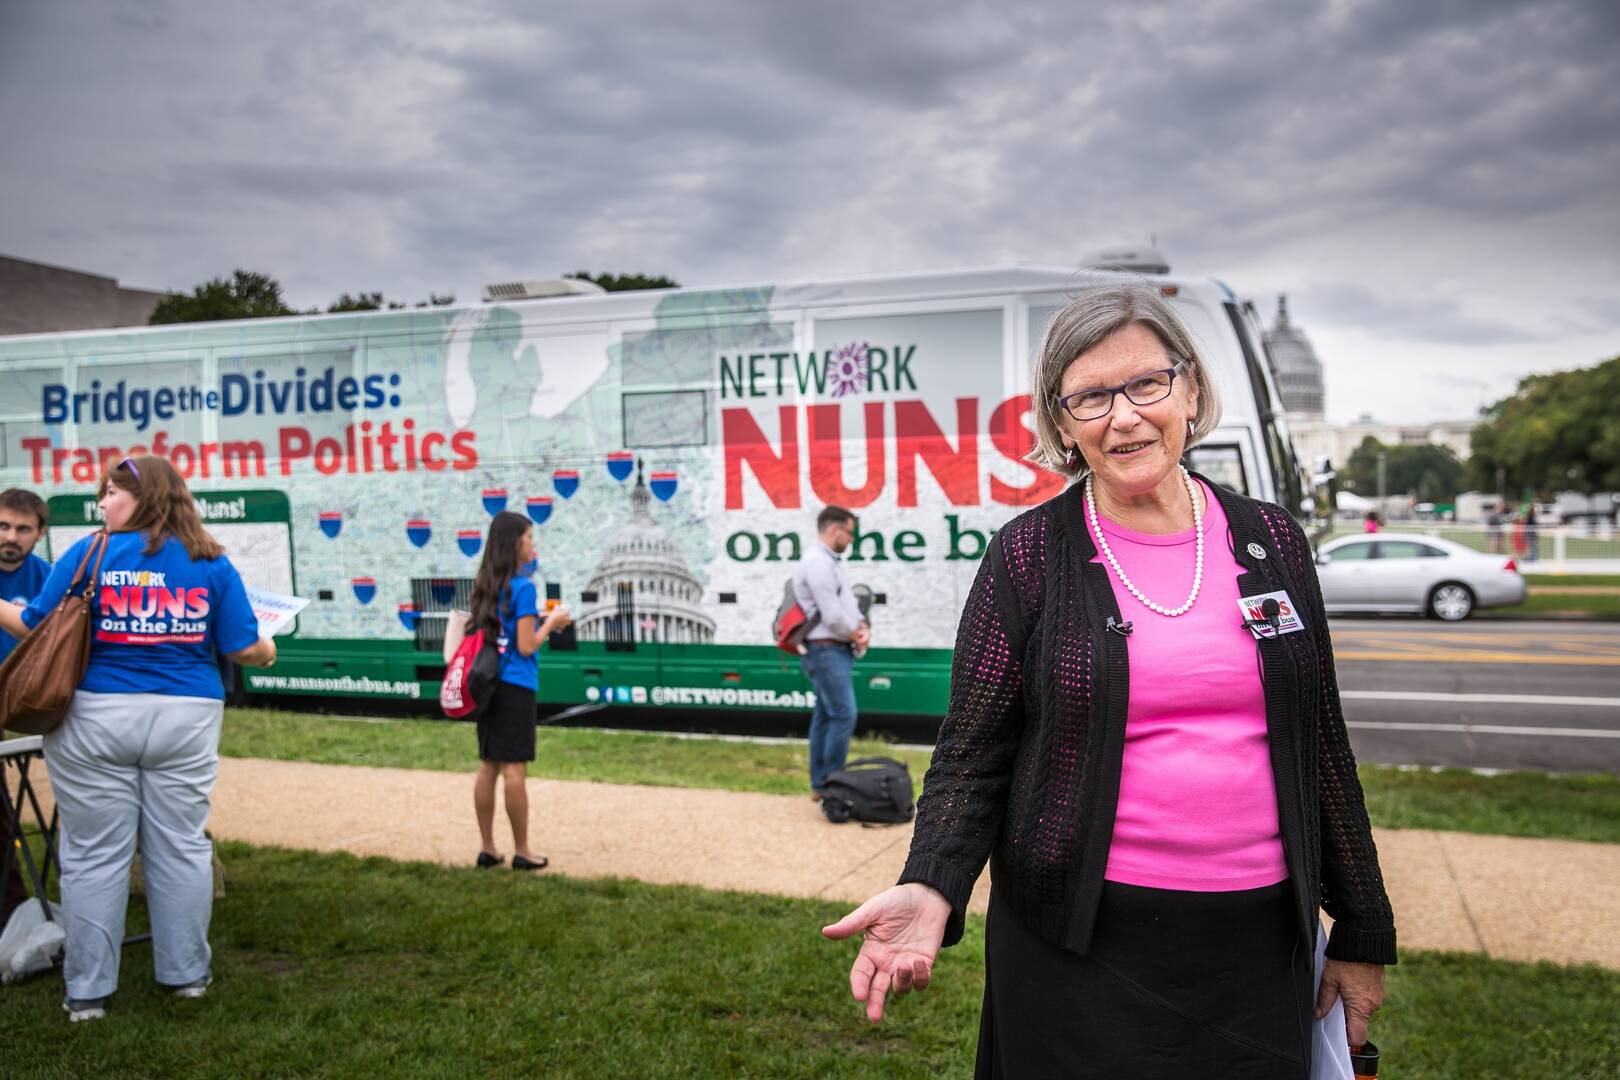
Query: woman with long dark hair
x=505, y=607
x=139, y=747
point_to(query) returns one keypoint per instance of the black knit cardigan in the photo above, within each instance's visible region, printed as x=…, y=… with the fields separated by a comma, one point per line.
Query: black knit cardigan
x=1027, y=765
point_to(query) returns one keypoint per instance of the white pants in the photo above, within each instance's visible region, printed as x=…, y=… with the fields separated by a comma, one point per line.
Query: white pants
x=122, y=764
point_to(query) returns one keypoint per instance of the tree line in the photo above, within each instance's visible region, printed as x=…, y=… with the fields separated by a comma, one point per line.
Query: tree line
x=1555, y=432
x=247, y=294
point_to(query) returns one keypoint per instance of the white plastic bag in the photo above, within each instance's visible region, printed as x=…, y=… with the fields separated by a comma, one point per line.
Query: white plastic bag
x=30, y=942
x=1330, y=1040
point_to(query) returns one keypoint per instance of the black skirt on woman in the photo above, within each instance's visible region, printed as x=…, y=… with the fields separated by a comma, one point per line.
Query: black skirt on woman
x=506, y=728
x=1177, y=984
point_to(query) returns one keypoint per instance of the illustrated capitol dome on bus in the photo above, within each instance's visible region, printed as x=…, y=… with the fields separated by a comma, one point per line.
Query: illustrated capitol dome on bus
x=645, y=591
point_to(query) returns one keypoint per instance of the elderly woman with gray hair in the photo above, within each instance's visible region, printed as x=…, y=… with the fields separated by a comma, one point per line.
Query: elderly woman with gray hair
x=1144, y=738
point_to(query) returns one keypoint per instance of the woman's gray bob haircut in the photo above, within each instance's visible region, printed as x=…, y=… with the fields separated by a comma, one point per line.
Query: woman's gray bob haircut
x=1086, y=322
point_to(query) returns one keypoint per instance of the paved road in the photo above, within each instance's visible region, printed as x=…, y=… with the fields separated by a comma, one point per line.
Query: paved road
x=1504, y=695
x=1497, y=695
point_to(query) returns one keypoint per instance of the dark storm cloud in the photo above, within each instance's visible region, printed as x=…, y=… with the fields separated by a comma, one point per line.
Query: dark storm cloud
x=1426, y=319
x=1500, y=111
x=1403, y=157
x=304, y=183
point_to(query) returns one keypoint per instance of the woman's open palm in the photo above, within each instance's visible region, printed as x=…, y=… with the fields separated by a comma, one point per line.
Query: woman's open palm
x=903, y=928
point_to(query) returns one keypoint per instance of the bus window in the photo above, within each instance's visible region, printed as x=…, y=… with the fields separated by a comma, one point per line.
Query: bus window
x=1038, y=318
x=1222, y=463
x=660, y=419
x=260, y=390
x=134, y=415
x=689, y=356
x=22, y=402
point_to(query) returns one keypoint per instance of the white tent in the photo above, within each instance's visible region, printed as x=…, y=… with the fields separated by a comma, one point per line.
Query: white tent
x=1350, y=501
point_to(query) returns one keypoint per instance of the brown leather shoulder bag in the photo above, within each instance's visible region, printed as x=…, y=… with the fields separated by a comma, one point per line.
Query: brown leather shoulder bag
x=38, y=679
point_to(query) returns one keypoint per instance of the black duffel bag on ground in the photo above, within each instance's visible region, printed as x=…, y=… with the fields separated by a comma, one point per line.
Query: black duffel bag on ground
x=874, y=790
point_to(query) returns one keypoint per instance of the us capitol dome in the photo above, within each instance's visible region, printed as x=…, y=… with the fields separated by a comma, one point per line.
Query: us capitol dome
x=1298, y=371
x=645, y=591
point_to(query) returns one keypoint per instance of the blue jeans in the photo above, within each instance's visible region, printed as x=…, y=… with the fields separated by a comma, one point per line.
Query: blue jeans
x=830, y=670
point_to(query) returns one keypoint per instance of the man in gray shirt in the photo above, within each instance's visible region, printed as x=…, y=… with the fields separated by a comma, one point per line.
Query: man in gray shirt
x=838, y=633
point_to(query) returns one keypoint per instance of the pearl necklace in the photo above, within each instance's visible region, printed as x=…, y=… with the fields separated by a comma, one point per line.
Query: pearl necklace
x=1198, y=565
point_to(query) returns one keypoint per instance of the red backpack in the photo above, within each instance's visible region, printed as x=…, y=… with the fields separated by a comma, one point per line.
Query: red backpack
x=470, y=679
x=791, y=625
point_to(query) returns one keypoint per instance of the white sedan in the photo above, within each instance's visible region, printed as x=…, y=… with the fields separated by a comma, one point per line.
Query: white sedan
x=1396, y=572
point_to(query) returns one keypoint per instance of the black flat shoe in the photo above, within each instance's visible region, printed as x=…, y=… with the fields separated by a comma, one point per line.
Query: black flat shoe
x=486, y=860
x=520, y=863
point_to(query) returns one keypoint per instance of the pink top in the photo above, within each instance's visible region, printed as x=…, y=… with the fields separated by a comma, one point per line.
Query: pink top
x=1197, y=801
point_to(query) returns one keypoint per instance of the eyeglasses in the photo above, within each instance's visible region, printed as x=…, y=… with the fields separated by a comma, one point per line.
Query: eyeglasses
x=129, y=463
x=1096, y=402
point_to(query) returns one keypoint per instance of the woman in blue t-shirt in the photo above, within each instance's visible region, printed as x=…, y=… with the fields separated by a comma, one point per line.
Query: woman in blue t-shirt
x=138, y=749
x=505, y=607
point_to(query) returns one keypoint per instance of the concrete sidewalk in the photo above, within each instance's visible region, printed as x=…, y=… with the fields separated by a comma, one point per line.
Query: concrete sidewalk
x=1511, y=898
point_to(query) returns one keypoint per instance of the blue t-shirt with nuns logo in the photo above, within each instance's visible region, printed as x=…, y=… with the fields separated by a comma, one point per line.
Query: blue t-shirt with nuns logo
x=156, y=619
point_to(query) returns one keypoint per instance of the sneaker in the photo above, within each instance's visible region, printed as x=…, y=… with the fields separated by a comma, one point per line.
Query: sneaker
x=86, y=1009
x=193, y=989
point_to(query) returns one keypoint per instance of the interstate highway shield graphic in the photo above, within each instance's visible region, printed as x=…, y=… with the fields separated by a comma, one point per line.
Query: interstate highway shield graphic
x=365, y=588
x=566, y=481
x=539, y=508
x=331, y=523
x=469, y=541
x=443, y=590
x=408, y=617
x=662, y=485
x=419, y=531
x=620, y=463
x=494, y=500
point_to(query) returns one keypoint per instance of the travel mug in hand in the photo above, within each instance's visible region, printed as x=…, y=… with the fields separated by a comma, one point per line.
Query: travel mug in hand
x=564, y=640
x=1364, y=1060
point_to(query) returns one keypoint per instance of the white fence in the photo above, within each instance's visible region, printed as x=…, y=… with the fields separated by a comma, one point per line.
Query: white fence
x=1552, y=549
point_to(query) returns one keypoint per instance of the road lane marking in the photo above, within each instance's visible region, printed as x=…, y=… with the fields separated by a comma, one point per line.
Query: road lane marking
x=1597, y=648
x=1480, y=699
x=1412, y=637
x=1485, y=729
x=1478, y=657
x=1610, y=640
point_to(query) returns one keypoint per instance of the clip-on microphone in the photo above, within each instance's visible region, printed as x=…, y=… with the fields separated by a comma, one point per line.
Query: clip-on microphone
x=1123, y=629
x=1270, y=611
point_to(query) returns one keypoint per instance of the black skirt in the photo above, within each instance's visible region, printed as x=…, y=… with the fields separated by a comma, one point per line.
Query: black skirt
x=1177, y=984
x=506, y=728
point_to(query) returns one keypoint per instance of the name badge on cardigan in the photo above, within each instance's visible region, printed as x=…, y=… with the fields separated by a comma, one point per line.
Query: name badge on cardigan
x=1270, y=614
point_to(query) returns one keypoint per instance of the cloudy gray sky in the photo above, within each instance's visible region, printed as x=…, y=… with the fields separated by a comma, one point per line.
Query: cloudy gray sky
x=1434, y=184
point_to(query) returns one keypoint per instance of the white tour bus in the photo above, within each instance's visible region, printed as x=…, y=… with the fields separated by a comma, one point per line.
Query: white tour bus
x=673, y=448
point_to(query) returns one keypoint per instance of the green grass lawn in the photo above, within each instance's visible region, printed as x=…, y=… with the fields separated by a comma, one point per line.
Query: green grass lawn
x=1552, y=581
x=1516, y=804
x=561, y=753
x=1545, y=599
x=1539, y=605
x=1565, y=807
x=336, y=966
